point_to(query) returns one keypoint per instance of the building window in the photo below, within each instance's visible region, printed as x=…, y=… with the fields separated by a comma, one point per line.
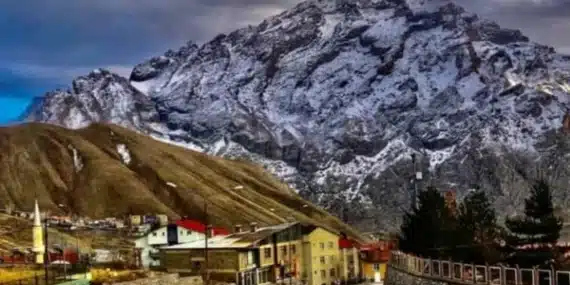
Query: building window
x=284, y=250
x=154, y=234
x=196, y=265
x=322, y=260
x=332, y=258
x=323, y=274
x=267, y=252
x=188, y=233
x=331, y=244
x=293, y=249
x=162, y=233
x=250, y=259
x=322, y=245
x=333, y=273
x=376, y=267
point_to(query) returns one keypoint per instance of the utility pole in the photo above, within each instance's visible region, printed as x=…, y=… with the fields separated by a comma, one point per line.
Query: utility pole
x=207, y=233
x=290, y=252
x=415, y=190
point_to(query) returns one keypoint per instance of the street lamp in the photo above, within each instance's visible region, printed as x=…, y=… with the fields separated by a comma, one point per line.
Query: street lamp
x=418, y=176
x=67, y=211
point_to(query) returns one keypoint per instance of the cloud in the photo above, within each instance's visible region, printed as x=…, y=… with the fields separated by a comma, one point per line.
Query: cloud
x=543, y=21
x=118, y=31
x=63, y=73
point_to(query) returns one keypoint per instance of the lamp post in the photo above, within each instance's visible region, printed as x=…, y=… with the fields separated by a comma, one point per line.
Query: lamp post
x=290, y=252
x=67, y=211
x=207, y=233
x=418, y=176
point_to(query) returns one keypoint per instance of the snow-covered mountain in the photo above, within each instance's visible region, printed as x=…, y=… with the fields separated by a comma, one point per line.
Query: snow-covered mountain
x=334, y=96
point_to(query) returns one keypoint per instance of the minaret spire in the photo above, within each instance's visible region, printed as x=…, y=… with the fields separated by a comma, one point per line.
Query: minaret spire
x=37, y=218
x=38, y=235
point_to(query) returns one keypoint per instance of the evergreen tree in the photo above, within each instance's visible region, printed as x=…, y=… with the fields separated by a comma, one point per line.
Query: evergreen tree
x=477, y=230
x=539, y=227
x=427, y=230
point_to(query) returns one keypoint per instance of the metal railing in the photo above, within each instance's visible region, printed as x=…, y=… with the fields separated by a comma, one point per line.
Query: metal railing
x=463, y=273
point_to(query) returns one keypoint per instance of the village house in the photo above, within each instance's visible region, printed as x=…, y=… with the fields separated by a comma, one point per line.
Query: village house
x=135, y=220
x=374, y=259
x=182, y=231
x=298, y=251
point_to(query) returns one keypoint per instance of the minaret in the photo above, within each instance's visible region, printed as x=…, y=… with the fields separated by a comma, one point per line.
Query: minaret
x=38, y=236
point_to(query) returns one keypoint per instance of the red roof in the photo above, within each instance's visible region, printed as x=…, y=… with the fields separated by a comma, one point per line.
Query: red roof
x=347, y=243
x=379, y=245
x=197, y=226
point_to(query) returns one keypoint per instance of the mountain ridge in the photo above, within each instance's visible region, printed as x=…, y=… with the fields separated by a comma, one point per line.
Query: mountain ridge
x=335, y=96
x=107, y=170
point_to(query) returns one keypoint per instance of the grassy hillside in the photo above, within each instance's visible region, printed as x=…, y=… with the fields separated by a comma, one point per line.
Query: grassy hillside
x=17, y=233
x=106, y=170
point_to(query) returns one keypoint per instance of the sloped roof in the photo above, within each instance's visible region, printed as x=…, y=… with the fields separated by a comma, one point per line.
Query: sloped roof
x=347, y=243
x=197, y=226
x=237, y=240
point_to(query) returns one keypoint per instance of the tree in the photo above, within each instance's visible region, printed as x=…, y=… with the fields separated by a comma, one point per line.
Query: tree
x=426, y=230
x=539, y=227
x=477, y=230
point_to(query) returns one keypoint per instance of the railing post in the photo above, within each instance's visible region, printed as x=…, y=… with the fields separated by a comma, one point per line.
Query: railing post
x=518, y=273
x=488, y=273
x=535, y=277
x=553, y=276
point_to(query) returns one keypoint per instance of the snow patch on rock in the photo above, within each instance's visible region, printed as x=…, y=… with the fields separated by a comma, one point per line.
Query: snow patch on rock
x=77, y=160
x=124, y=153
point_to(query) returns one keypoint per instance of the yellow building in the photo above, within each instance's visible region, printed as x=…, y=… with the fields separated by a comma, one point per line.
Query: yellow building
x=374, y=259
x=135, y=220
x=38, y=236
x=322, y=257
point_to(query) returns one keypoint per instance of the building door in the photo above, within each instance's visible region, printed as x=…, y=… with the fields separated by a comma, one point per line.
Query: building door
x=377, y=277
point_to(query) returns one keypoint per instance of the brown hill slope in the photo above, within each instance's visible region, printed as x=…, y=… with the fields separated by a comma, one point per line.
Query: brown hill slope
x=106, y=170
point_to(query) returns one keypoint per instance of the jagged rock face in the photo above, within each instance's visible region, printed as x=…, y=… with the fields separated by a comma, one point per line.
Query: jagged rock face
x=100, y=96
x=334, y=97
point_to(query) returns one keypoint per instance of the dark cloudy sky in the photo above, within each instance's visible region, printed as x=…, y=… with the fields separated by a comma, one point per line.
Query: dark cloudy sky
x=45, y=43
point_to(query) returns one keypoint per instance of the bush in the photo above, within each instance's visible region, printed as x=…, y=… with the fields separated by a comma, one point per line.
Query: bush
x=9, y=275
x=100, y=276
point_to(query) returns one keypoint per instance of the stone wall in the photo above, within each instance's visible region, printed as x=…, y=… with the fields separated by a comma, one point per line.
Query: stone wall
x=396, y=276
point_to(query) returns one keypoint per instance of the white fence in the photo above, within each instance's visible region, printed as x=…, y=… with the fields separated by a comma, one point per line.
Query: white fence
x=477, y=274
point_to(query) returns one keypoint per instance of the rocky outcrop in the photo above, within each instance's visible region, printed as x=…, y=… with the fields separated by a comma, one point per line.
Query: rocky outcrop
x=334, y=96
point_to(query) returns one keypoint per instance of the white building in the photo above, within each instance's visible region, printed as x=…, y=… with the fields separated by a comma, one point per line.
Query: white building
x=169, y=235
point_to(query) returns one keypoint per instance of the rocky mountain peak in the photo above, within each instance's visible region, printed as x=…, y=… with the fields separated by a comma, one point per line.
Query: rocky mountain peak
x=97, y=79
x=334, y=97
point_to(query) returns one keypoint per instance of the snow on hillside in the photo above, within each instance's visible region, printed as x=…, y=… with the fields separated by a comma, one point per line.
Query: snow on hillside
x=335, y=96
